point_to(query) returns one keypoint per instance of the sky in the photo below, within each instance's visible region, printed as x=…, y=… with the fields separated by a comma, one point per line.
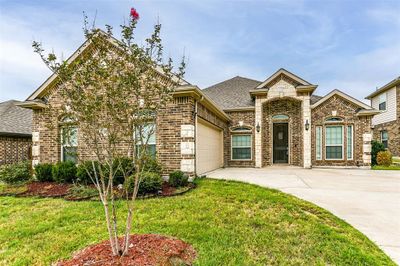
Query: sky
x=353, y=46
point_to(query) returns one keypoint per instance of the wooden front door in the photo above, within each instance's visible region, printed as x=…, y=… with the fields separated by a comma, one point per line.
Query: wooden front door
x=280, y=143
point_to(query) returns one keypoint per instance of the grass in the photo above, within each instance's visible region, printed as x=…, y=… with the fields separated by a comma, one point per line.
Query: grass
x=228, y=223
x=391, y=167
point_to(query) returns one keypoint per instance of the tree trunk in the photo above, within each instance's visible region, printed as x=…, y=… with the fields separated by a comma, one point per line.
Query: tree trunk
x=110, y=229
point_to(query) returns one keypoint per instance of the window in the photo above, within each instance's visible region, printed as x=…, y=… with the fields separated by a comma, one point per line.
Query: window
x=241, y=129
x=382, y=102
x=280, y=117
x=334, y=142
x=384, y=138
x=334, y=119
x=318, y=144
x=241, y=147
x=349, y=142
x=146, y=133
x=69, y=144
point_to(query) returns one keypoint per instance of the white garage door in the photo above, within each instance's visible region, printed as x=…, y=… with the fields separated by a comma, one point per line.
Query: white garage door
x=209, y=149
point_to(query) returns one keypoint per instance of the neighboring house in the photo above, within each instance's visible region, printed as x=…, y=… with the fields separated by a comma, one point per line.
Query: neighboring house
x=237, y=123
x=386, y=124
x=15, y=132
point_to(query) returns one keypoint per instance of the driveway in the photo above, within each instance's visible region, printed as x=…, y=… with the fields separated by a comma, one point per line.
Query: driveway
x=368, y=200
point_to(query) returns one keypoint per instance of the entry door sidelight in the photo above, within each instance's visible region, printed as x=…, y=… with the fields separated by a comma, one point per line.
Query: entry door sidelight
x=280, y=143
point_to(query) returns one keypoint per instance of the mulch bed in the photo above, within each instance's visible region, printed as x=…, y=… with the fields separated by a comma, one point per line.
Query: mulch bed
x=46, y=189
x=144, y=249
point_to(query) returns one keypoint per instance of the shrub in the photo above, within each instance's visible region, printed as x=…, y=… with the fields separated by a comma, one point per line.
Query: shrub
x=178, y=179
x=153, y=165
x=150, y=183
x=15, y=173
x=81, y=173
x=64, y=172
x=44, y=172
x=376, y=147
x=384, y=158
x=122, y=165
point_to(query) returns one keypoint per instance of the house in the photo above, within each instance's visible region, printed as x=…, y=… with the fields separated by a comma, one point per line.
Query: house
x=239, y=122
x=386, y=124
x=15, y=132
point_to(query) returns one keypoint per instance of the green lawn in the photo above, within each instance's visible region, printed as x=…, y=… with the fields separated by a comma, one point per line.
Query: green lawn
x=381, y=167
x=228, y=223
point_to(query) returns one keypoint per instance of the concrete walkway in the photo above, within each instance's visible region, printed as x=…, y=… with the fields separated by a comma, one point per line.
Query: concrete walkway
x=368, y=200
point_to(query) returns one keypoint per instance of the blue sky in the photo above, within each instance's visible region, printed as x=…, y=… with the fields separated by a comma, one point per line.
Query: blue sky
x=353, y=46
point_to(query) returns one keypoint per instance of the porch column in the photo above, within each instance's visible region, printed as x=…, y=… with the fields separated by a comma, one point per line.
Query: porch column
x=306, y=133
x=257, y=137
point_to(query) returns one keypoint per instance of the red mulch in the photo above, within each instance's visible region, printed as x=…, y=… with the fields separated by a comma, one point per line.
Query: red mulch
x=46, y=189
x=146, y=249
x=167, y=190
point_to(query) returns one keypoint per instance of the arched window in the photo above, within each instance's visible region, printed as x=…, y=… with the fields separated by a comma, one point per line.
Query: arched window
x=241, y=129
x=280, y=117
x=334, y=119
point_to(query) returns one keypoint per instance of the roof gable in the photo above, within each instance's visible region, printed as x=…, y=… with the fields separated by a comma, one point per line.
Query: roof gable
x=280, y=74
x=15, y=120
x=343, y=95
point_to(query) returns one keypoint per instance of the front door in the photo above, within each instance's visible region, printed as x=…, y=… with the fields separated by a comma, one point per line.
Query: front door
x=280, y=143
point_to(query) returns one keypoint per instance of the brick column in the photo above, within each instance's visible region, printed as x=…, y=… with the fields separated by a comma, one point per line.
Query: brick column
x=257, y=137
x=306, y=133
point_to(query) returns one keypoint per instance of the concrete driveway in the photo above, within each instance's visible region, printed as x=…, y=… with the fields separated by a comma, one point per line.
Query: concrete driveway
x=368, y=200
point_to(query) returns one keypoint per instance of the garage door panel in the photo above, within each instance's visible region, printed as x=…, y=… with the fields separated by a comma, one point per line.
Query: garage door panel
x=209, y=154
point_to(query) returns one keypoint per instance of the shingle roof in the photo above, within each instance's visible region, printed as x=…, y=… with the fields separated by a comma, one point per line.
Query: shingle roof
x=15, y=120
x=232, y=93
x=385, y=87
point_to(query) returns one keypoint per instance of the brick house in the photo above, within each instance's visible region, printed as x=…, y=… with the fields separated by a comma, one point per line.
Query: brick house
x=15, y=133
x=238, y=123
x=386, y=124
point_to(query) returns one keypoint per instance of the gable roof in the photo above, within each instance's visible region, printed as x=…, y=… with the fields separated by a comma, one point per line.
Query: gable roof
x=343, y=95
x=15, y=120
x=232, y=93
x=286, y=73
x=49, y=81
x=384, y=88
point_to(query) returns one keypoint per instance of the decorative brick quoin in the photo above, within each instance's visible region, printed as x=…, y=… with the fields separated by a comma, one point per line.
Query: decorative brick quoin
x=239, y=122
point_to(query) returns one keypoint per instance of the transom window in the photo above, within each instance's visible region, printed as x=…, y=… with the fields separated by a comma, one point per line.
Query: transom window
x=146, y=133
x=334, y=119
x=334, y=142
x=280, y=117
x=382, y=102
x=241, y=147
x=384, y=138
x=69, y=144
x=241, y=129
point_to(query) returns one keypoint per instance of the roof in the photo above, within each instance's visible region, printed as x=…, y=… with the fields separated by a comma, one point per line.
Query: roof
x=15, y=120
x=286, y=73
x=314, y=99
x=344, y=95
x=232, y=93
x=385, y=87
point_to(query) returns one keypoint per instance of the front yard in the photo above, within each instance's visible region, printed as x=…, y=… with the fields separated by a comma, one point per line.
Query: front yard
x=228, y=223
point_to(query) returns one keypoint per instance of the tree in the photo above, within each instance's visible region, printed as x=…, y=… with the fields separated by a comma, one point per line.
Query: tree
x=111, y=94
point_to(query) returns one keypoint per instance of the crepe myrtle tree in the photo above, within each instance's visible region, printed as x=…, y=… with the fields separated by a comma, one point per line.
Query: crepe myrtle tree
x=111, y=95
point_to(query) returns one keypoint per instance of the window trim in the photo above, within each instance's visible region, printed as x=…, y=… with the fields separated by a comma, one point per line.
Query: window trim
x=320, y=143
x=335, y=145
x=62, y=141
x=251, y=147
x=352, y=142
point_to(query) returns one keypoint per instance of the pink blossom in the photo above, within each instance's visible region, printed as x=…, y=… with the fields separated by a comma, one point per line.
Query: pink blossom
x=134, y=14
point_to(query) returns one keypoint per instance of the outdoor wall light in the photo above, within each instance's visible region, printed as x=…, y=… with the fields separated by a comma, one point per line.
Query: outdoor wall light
x=307, y=125
x=258, y=127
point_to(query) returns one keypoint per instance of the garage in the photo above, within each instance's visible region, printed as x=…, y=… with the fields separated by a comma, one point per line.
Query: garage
x=209, y=147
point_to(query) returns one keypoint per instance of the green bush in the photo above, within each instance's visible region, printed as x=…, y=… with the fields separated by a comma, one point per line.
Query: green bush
x=376, y=147
x=15, y=173
x=122, y=165
x=81, y=173
x=43, y=172
x=178, y=179
x=64, y=172
x=152, y=165
x=150, y=183
x=384, y=158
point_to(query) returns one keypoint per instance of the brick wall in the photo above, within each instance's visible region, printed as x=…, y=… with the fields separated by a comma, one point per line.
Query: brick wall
x=339, y=107
x=292, y=108
x=14, y=149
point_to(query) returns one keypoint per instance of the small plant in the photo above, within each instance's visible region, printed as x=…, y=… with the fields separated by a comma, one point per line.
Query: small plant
x=123, y=166
x=83, y=169
x=384, y=158
x=178, y=179
x=15, y=173
x=150, y=183
x=43, y=172
x=376, y=147
x=153, y=165
x=79, y=191
x=64, y=172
